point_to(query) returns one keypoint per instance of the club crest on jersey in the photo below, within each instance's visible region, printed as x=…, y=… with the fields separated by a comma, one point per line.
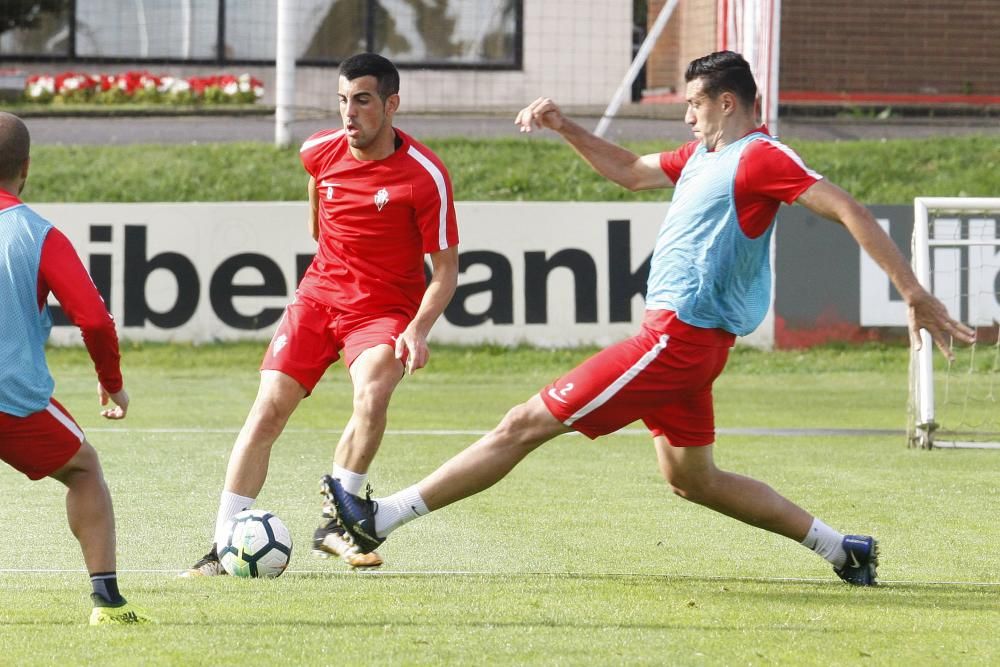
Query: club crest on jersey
x=381, y=198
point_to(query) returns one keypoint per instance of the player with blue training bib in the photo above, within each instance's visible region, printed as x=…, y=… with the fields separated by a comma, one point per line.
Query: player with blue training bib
x=709, y=282
x=38, y=436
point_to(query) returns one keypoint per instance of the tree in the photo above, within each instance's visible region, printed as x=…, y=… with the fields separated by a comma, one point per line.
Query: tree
x=26, y=13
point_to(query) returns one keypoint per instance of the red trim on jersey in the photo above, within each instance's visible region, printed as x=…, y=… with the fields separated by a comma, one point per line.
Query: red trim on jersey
x=768, y=174
x=8, y=200
x=61, y=272
x=672, y=162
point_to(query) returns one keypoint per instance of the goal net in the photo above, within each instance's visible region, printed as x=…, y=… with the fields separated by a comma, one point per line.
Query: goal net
x=956, y=256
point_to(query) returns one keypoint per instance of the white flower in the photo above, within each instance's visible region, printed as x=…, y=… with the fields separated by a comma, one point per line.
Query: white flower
x=231, y=88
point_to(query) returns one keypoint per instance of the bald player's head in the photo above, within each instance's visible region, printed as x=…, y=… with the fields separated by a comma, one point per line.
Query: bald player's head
x=15, y=145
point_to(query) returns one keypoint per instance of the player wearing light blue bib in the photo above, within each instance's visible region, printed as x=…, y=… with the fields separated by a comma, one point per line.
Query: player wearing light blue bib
x=709, y=282
x=25, y=382
x=38, y=436
x=704, y=267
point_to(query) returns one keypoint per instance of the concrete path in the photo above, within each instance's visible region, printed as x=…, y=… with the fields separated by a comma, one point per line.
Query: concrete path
x=204, y=129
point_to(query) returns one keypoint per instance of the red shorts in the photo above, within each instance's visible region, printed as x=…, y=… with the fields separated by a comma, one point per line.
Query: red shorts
x=311, y=336
x=40, y=443
x=653, y=376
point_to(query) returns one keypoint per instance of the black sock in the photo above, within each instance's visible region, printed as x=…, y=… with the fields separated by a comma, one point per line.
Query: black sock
x=106, y=588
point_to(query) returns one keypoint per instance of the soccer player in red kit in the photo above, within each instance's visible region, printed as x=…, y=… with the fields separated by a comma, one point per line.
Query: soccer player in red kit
x=38, y=436
x=379, y=201
x=709, y=282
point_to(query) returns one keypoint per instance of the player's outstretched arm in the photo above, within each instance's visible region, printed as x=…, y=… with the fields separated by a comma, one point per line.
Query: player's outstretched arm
x=411, y=344
x=615, y=163
x=925, y=310
x=119, y=398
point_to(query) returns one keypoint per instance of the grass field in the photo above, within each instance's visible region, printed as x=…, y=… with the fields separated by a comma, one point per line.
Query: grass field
x=875, y=172
x=581, y=556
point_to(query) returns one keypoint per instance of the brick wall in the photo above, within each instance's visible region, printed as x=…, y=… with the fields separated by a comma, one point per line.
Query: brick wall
x=920, y=47
x=895, y=46
x=689, y=34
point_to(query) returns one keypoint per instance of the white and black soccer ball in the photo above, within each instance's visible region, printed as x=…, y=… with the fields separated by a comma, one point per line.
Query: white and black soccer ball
x=257, y=545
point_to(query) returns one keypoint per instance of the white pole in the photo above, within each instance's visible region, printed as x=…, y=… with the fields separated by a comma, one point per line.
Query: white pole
x=775, y=66
x=187, y=18
x=637, y=63
x=925, y=357
x=140, y=16
x=284, y=75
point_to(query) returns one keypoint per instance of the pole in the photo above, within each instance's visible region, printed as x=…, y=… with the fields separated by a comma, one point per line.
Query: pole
x=637, y=63
x=284, y=75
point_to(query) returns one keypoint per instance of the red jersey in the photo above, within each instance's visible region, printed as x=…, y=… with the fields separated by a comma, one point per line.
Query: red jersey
x=377, y=219
x=768, y=173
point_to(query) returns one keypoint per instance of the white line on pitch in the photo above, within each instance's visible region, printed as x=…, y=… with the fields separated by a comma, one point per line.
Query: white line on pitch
x=553, y=575
x=751, y=431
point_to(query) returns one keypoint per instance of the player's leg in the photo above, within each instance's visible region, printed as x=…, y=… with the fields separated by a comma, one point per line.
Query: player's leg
x=277, y=397
x=474, y=469
x=299, y=353
x=594, y=398
x=92, y=521
x=89, y=510
x=368, y=349
x=484, y=463
x=49, y=443
x=693, y=475
x=375, y=373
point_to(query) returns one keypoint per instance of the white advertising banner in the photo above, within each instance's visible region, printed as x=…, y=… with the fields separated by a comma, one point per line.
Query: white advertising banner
x=964, y=276
x=546, y=273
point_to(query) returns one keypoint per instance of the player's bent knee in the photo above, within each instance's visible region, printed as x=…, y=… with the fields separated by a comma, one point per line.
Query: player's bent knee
x=526, y=424
x=372, y=399
x=85, y=463
x=689, y=487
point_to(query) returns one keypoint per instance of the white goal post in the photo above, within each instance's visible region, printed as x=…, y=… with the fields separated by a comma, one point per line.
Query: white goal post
x=956, y=256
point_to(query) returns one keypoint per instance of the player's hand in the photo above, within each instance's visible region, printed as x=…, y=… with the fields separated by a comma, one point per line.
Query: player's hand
x=119, y=398
x=543, y=112
x=927, y=312
x=412, y=350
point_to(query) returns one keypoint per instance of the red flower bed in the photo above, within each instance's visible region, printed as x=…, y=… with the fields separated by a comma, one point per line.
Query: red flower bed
x=75, y=87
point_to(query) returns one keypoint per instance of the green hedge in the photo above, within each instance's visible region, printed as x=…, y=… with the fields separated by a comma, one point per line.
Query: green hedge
x=876, y=172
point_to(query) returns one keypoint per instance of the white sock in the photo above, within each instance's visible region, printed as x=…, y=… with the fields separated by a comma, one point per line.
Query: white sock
x=230, y=505
x=827, y=542
x=353, y=482
x=399, y=508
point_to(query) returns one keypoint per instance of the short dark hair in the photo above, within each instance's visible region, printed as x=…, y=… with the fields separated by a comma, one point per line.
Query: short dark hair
x=15, y=145
x=722, y=72
x=372, y=64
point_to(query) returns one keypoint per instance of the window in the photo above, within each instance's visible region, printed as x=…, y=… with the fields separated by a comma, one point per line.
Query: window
x=35, y=29
x=417, y=33
x=141, y=29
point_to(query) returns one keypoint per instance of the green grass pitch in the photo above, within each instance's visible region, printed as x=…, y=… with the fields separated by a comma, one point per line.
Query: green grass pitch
x=580, y=556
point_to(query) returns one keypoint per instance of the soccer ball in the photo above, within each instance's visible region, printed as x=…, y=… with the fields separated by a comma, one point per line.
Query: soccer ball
x=257, y=545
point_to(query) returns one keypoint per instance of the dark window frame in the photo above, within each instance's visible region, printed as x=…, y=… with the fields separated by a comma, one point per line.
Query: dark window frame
x=516, y=63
